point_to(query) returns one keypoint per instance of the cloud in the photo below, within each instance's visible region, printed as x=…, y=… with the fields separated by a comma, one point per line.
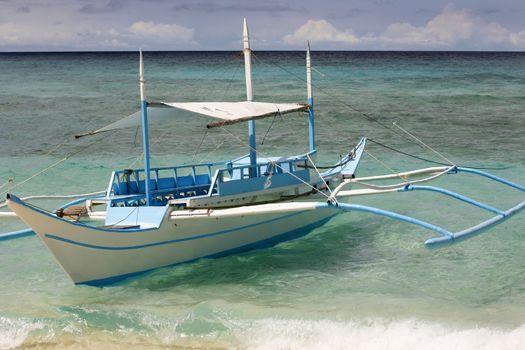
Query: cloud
x=446, y=29
x=59, y=37
x=453, y=28
x=162, y=32
x=211, y=7
x=450, y=29
x=13, y=34
x=320, y=31
x=111, y=6
x=497, y=34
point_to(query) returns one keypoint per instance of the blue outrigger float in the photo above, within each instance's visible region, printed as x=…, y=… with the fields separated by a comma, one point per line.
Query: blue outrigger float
x=157, y=217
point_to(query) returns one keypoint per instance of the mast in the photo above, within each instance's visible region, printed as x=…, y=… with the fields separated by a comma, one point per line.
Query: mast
x=311, y=116
x=249, y=97
x=145, y=139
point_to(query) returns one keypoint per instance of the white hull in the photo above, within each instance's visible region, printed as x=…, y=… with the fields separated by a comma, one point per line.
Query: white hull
x=98, y=256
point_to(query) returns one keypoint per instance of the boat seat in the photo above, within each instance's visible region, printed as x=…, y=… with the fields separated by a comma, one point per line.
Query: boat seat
x=142, y=185
x=166, y=183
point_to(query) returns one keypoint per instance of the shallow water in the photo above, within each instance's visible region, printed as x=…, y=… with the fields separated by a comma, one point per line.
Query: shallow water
x=358, y=282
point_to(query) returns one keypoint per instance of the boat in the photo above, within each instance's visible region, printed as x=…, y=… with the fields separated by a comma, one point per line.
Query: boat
x=154, y=217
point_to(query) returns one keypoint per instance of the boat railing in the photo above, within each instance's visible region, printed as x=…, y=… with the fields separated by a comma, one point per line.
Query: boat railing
x=165, y=182
x=127, y=186
x=272, y=173
x=264, y=167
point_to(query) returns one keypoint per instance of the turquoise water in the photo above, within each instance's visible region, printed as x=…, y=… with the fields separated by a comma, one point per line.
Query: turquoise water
x=358, y=282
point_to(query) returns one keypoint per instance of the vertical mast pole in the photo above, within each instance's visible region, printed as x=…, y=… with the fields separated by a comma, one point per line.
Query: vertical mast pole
x=249, y=97
x=311, y=117
x=145, y=139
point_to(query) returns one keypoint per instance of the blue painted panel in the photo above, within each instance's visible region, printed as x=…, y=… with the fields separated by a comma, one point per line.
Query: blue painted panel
x=185, y=181
x=152, y=185
x=167, y=183
x=202, y=179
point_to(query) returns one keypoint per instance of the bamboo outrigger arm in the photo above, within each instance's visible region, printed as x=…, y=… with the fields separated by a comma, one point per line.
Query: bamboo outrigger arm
x=447, y=237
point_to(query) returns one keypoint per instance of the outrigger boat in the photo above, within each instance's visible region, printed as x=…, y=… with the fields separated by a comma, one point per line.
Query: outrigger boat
x=156, y=217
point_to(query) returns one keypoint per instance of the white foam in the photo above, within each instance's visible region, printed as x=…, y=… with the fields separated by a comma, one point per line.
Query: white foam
x=14, y=332
x=375, y=334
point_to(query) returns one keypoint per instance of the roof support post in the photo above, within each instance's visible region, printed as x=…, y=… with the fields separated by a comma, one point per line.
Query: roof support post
x=145, y=137
x=311, y=116
x=249, y=97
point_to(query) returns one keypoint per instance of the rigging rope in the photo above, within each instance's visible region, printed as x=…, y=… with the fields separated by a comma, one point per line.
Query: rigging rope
x=424, y=144
x=284, y=170
x=363, y=114
x=51, y=166
x=405, y=153
x=386, y=166
x=319, y=174
x=429, y=160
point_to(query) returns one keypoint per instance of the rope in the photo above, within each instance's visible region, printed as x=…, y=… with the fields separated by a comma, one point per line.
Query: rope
x=212, y=151
x=319, y=174
x=337, y=165
x=7, y=182
x=424, y=144
x=35, y=175
x=406, y=154
x=232, y=78
x=271, y=124
x=127, y=216
x=386, y=166
x=363, y=114
x=200, y=144
x=284, y=171
x=50, y=167
x=405, y=182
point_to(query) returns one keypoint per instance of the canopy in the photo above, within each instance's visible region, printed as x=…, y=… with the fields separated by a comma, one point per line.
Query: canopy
x=227, y=112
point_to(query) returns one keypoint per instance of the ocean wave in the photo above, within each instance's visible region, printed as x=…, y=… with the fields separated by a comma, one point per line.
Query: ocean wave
x=13, y=332
x=374, y=334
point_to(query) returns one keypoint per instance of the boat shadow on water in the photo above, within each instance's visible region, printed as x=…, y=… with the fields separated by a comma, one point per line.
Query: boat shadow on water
x=319, y=252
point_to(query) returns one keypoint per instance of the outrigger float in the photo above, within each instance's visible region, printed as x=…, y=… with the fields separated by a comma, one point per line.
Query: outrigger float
x=162, y=216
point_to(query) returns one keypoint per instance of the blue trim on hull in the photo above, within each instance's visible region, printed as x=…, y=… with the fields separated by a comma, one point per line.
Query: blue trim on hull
x=205, y=235
x=266, y=243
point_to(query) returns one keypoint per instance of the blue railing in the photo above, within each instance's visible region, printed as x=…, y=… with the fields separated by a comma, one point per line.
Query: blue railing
x=128, y=186
x=165, y=183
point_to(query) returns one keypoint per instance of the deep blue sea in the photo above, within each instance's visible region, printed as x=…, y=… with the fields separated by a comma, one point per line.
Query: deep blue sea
x=358, y=282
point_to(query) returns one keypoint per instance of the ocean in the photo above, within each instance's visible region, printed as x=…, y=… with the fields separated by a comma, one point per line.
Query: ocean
x=358, y=282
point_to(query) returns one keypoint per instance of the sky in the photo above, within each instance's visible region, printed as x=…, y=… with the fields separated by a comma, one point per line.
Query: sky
x=126, y=25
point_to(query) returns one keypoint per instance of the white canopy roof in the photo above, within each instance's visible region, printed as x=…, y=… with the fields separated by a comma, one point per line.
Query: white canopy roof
x=234, y=112
x=227, y=112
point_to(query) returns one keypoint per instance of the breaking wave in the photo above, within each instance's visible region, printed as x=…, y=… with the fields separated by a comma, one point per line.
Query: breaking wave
x=13, y=332
x=374, y=334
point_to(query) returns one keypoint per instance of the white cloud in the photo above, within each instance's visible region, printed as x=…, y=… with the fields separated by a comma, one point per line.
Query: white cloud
x=12, y=34
x=162, y=32
x=320, y=31
x=497, y=34
x=446, y=29
x=83, y=37
x=58, y=36
x=451, y=29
